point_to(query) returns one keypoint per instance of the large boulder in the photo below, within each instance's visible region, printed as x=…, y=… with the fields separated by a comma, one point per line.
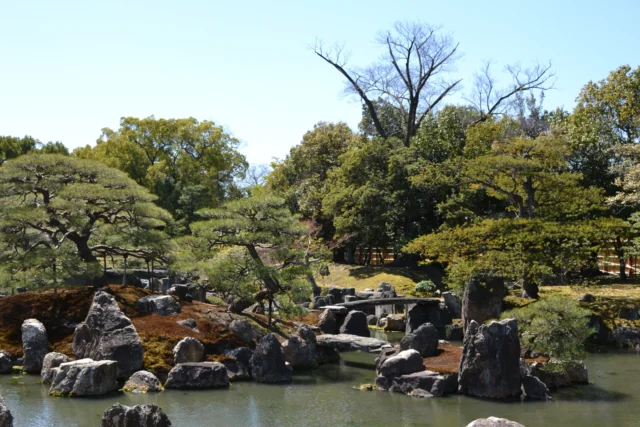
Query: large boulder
x=241, y=354
x=493, y=422
x=6, y=419
x=534, y=388
x=424, y=340
x=34, y=345
x=268, y=364
x=188, y=350
x=394, y=322
x=243, y=329
x=85, y=377
x=355, y=324
x=142, y=382
x=432, y=382
x=6, y=366
x=482, y=299
x=107, y=334
x=626, y=337
x=328, y=323
x=203, y=375
x=403, y=363
x=490, y=364
x=51, y=361
x=236, y=370
x=337, y=295
x=419, y=314
x=346, y=342
x=163, y=305
x=137, y=416
x=453, y=303
x=562, y=375
x=300, y=350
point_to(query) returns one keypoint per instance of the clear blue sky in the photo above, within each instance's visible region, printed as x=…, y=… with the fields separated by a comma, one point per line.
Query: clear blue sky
x=70, y=68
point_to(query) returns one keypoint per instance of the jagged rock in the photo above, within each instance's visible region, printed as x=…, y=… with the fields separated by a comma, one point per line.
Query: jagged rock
x=236, y=370
x=626, y=337
x=51, y=360
x=386, y=287
x=395, y=322
x=268, y=364
x=424, y=340
x=188, y=323
x=490, y=364
x=85, y=377
x=434, y=383
x=137, y=416
x=328, y=323
x=350, y=298
x=6, y=419
x=355, y=324
x=534, y=388
x=372, y=320
x=419, y=314
x=587, y=298
x=142, y=382
x=337, y=295
x=453, y=304
x=482, y=299
x=296, y=353
x=6, y=366
x=570, y=374
x=319, y=302
x=493, y=422
x=243, y=329
x=162, y=305
x=346, y=342
x=241, y=354
x=203, y=375
x=453, y=333
x=107, y=334
x=403, y=363
x=34, y=345
x=188, y=350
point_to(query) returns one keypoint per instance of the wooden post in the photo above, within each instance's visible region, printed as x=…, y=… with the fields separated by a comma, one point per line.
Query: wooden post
x=124, y=274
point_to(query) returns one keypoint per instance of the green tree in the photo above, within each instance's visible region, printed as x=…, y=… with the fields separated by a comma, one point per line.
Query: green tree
x=12, y=147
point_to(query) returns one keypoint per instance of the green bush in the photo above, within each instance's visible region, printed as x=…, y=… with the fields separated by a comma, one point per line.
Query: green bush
x=554, y=326
x=425, y=287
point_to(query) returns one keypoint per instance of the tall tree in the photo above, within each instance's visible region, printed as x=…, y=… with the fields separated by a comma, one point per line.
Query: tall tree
x=12, y=147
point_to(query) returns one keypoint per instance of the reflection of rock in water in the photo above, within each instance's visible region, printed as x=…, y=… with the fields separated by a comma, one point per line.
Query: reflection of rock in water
x=589, y=393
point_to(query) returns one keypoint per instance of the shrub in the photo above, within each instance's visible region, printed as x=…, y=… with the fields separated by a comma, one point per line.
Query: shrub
x=425, y=287
x=554, y=326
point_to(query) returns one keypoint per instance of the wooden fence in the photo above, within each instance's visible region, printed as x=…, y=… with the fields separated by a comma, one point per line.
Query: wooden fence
x=608, y=263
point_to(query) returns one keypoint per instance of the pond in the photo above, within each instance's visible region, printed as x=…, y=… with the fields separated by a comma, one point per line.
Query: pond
x=325, y=397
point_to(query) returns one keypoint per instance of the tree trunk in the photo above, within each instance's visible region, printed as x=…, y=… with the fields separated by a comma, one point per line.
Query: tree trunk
x=269, y=323
x=124, y=274
x=622, y=261
x=529, y=288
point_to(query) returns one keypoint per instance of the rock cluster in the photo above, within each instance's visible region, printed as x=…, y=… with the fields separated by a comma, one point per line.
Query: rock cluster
x=137, y=416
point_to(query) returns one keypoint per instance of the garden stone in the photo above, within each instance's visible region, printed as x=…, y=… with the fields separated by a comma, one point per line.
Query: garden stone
x=34, y=345
x=188, y=323
x=395, y=323
x=355, y=324
x=241, y=354
x=296, y=353
x=424, y=340
x=107, y=334
x=6, y=366
x=493, y=422
x=629, y=312
x=138, y=416
x=162, y=305
x=350, y=298
x=382, y=322
x=142, y=382
x=482, y=299
x=587, y=298
x=188, y=350
x=346, y=342
x=454, y=305
x=6, y=419
x=432, y=382
x=203, y=375
x=85, y=377
x=453, y=333
x=337, y=295
x=372, y=320
x=626, y=337
x=237, y=371
x=268, y=363
x=386, y=352
x=243, y=329
x=572, y=373
x=51, y=360
x=534, y=388
x=328, y=323
x=403, y=363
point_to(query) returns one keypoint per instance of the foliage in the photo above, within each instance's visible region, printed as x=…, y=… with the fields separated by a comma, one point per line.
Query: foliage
x=554, y=326
x=425, y=287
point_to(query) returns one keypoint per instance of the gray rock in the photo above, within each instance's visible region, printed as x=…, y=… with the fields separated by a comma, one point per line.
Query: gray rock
x=188, y=350
x=203, y=375
x=626, y=337
x=424, y=340
x=6, y=366
x=243, y=329
x=454, y=305
x=188, y=323
x=107, y=334
x=403, y=363
x=534, y=388
x=319, y=302
x=328, y=323
x=85, y=377
x=355, y=324
x=142, y=382
x=34, y=345
x=490, y=364
x=419, y=314
x=493, y=422
x=482, y=299
x=6, y=419
x=587, y=298
x=236, y=370
x=386, y=287
x=386, y=352
x=137, y=416
x=268, y=363
x=432, y=382
x=338, y=310
x=162, y=305
x=241, y=354
x=346, y=342
x=453, y=333
x=571, y=373
x=296, y=353
x=372, y=320
x=382, y=322
x=51, y=360
x=395, y=322
x=337, y=295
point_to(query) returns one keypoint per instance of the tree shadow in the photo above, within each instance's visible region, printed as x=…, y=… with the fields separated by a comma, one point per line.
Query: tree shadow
x=588, y=393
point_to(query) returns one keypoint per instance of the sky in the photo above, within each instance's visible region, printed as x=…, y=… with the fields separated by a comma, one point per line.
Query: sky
x=70, y=68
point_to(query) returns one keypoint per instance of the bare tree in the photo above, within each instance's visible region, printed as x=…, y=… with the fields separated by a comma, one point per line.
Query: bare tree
x=256, y=175
x=412, y=75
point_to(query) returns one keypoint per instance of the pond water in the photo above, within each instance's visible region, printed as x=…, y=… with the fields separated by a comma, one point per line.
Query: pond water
x=326, y=397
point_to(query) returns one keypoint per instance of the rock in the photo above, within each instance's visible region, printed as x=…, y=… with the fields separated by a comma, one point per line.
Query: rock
x=386, y=287
x=386, y=352
x=336, y=293
x=268, y=363
x=188, y=350
x=296, y=353
x=453, y=304
x=319, y=302
x=328, y=323
x=534, y=388
x=51, y=360
x=241, y=354
x=338, y=310
x=162, y=305
x=569, y=374
x=107, y=334
x=243, y=329
x=424, y=340
x=142, y=382
x=368, y=290
x=453, y=333
x=350, y=298
x=419, y=314
x=395, y=322
x=493, y=422
x=137, y=416
x=382, y=322
x=323, y=270
x=587, y=298
x=403, y=363
x=6, y=366
x=346, y=342
x=482, y=299
x=431, y=382
x=203, y=375
x=490, y=364
x=418, y=392
x=85, y=377
x=188, y=323
x=21, y=290
x=629, y=312
x=237, y=371
x=348, y=292
x=6, y=419
x=355, y=324
x=308, y=336
x=34, y=345
x=626, y=337
x=372, y=320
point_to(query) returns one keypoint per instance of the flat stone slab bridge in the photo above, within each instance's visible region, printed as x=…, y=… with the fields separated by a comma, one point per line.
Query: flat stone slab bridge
x=388, y=301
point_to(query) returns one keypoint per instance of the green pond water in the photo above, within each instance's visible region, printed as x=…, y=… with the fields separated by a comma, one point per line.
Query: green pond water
x=325, y=397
